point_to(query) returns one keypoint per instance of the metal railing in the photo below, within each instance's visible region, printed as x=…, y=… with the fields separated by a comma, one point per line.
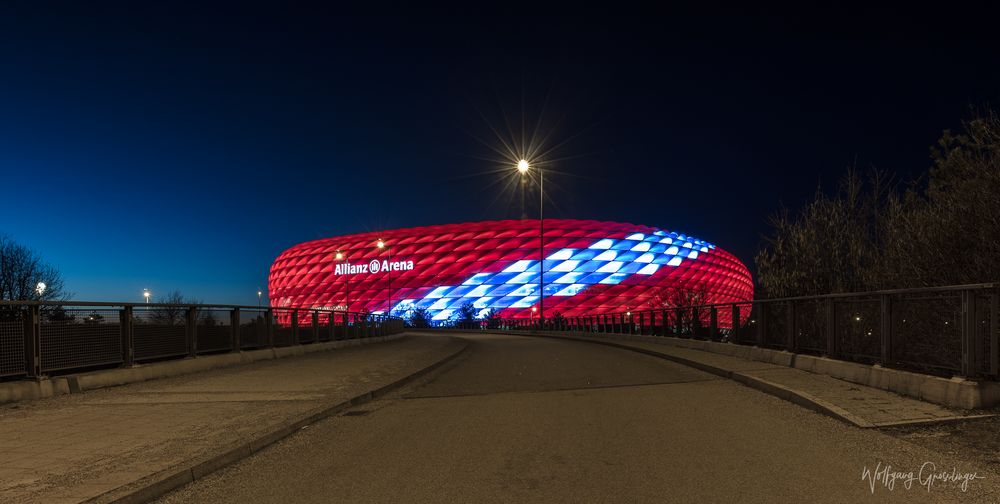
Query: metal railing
x=39, y=338
x=951, y=330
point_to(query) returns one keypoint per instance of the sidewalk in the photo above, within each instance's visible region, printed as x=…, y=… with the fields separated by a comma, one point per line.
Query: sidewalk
x=77, y=447
x=860, y=405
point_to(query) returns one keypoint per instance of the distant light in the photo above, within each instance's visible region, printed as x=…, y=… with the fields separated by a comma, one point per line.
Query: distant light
x=146, y=293
x=534, y=309
x=628, y=314
x=339, y=255
x=857, y=319
x=522, y=166
x=40, y=288
x=380, y=244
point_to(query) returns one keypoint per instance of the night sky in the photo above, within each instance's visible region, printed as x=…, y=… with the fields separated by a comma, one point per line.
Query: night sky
x=184, y=148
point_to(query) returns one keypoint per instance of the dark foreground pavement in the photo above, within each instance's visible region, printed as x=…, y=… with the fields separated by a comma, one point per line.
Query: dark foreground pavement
x=520, y=419
x=110, y=443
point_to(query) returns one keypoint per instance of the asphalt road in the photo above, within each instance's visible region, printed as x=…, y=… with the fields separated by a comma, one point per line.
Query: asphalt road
x=521, y=419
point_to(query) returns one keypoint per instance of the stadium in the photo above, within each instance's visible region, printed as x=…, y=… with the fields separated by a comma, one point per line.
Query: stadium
x=589, y=268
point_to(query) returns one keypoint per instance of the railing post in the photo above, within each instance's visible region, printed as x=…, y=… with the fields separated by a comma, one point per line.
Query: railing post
x=994, y=333
x=269, y=328
x=713, y=323
x=128, y=337
x=295, y=327
x=234, y=324
x=192, y=331
x=831, y=329
x=33, y=341
x=761, y=333
x=734, y=317
x=642, y=322
x=678, y=317
x=331, y=323
x=663, y=320
x=970, y=350
x=885, y=329
x=790, y=327
x=315, y=326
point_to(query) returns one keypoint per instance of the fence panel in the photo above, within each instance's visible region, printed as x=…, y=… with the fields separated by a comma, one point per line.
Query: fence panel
x=253, y=328
x=159, y=332
x=776, y=328
x=215, y=332
x=282, y=329
x=79, y=337
x=811, y=326
x=12, y=341
x=858, y=328
x=927, y=332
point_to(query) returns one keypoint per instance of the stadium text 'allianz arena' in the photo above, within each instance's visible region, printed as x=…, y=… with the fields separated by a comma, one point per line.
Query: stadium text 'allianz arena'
x=590, y=268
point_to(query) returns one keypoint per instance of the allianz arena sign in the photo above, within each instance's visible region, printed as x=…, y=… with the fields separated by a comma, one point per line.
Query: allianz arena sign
x=375, y=266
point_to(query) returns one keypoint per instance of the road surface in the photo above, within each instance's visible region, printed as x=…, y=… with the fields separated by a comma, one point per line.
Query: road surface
x=524, y=419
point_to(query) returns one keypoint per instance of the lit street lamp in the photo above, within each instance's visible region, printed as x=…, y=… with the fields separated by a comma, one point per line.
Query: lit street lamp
x=347, y=280
x=259, y=294
x=523, y=166
x=388, y=274
x=40, y=288
x=146, y=294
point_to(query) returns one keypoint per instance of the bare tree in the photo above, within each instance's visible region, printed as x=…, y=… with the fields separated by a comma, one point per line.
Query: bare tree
x=22, y=269
x=173, y=314
x=944, y=228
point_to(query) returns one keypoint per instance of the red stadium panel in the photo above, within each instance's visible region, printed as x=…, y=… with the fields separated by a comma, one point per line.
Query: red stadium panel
x=590, y=267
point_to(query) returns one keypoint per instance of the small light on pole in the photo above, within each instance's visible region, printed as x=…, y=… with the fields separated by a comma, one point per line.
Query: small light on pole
x=388, y=272
x=259, y=294
x=40, y=288
x=146, y=294
x=339, y=256
x=522, y=167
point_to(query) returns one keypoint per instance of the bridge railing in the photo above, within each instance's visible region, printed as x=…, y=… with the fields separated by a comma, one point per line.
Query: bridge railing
x=47, y=337
x=951, y=330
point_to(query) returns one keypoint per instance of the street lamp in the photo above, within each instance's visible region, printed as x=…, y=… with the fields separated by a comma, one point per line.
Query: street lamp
x=339, y=256
x=146, y=294
x=522, y=167
x=40, y=288
x=388, y=273
x=259, y=294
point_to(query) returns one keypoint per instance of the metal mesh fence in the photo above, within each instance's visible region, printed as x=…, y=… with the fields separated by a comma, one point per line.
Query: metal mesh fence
x=253, y=328
x=776, y=325
x=927, y=332
x=282, y=327
x=307, y=333
x=857, y=328
x=79, y=337
x=811, y=326
x=159, y=332
x=12, y=341
x=215, y=332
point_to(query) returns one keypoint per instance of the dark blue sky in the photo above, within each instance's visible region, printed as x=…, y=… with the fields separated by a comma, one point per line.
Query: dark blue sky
x=185, y=147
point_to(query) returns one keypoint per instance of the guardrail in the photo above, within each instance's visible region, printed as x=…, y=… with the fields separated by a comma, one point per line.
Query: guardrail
x=949, y=330
x=39, y=337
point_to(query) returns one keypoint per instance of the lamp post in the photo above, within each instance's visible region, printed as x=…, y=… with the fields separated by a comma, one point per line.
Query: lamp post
x=388, y=273
x=523, y=166
x=259, y=294
x=40, y=289
x=338, y=255
x=146, y=294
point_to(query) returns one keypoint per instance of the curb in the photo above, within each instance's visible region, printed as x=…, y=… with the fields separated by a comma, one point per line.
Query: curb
x=797, y=397
x=164, y=482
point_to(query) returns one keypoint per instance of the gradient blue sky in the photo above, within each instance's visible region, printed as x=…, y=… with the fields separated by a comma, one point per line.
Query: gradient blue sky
x=186, y=147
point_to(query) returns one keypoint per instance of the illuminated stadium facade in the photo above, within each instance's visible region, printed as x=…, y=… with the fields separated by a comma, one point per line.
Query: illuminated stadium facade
x=590, y=268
